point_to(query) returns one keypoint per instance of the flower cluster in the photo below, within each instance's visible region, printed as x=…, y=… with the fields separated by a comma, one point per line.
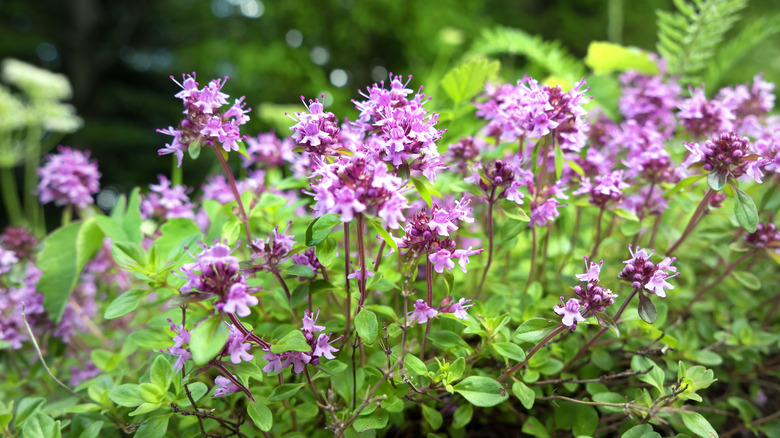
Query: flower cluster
x=649, y=98
x=218, y=188
x=604, y=189
x=352, y=185
x=20, y=241
x=206, y=123
x=499, y=179
x=68, y=178
x=18, y=287
x=181, y=353
x=428, y=233
x=398, y=129
x=166, y=201
x=216, y=272
x=531, y=111
x=321, y=346
x=268, y=150
x=593, y=298
x=644, y=274
x=466, y=150
x=274, y=250
x=766, y=235
x=422, y=312
x=703, y=117
x=317, y=131
x=726, y=154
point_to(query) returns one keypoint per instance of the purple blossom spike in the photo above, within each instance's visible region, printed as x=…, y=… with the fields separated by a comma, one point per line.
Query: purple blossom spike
x=68, y=178
x=727, y=153
x=166, y=201
x=237, y=348
x=644, y=274
x=702, y=117
x=224, y=386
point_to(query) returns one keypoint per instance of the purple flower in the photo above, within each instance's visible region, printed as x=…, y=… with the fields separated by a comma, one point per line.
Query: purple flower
x=268, y=150
x=237, y=349
x=753, y=101
x=274, y=250
x=543, y=212
x=360, y=273
x=79, y=375
x=324, y=348
x=726, y=153
x=274, y=363
x=606, y=188
x=766, y=235
x=215, y=270
x=7, y=259
x=441, y=260
x=182, y=354
x=166, y=202
x=309, y=326
x=457, y=309
x=592, y=273
x=649, y=98
x=702, y=117
x=205, y=123
x=224, y=386
x=644, y=274
x=68, y=178
x=316, y=130
x=422, y=312
x=463, y=256
x=237, y=300
x=297, y=359
x=570, y=312
x=20, y=241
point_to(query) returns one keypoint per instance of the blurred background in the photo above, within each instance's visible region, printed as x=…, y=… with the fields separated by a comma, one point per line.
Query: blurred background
x=119, y=54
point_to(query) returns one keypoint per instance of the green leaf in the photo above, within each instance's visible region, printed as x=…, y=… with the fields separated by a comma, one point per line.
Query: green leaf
x=698, y=424
x=462, y=416
x=64, y=254
x=127, y=395
x=129, y=256
x=745, y=210
x=524, y=394
x=320, y=228
x=132, y=217
x=299, y=271
x=125, y=303
x=93, y=431
x=466, y=80
x=446, y=339
x=449, y=280
x=415, y=365
x=376, y=420
x=260, y=415
x=292, y=341
x=175, y=234
x=605, y=320
x=533, y=426
x=534, y=330
x=104, y=359
x=41, y=425
x=145, y=408
x=717, y=180
x=208, y=339
x=481, y=391
x=585, y=420
x=367, y=326
x=509, y=351
x=161, y=373
x=682, y=184
x=654, y=377
x=432, y=416
x=383, y=234
x=625, y=214
x=748, y=280
x=28, y=406
x=604, y=58
x=283, y=392
x=422, y=189
x=646, y=309
x=326, y=251
x=641, y=431
x=558, y=161
x=197, y=391
x=153, y=427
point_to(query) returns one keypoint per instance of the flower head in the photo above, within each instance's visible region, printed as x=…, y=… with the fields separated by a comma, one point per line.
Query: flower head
x=570, y=312
x=644, y=274
x=422, y=312
x=68, y=178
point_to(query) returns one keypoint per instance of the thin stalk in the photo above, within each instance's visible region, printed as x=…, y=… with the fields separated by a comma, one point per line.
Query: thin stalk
x=362, y=274
x=429, y=284
x=67, y=214
x=11, y=196
x=379, y=255
x=286, y=291
x=531, y=353
x=177, y=176
x=234, y=188
x=720, y=278
x=595, y=251
x=533, y=260
x=590, y=343
x=642, y=213
x=692, y=223
x=656, y=225
x=346, y=279
x=490, y=242
x=31, y=206
x=573, y=241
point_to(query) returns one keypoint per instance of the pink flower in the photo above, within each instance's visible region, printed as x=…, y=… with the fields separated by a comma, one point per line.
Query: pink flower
x=422, y=312
x=224, y=386
x=324, y=348
x=238, y=301
x=570, y=311
x=593, y=272
x=441, y=260
x=463, y=256
x=458, y=309
x=237, y=348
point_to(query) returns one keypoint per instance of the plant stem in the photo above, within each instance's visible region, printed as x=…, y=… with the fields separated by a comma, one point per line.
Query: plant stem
x=346, y=274
x=533, y=260
x=720, y=278
x=490, y=242
x=33, y=161
x=429, y=284
x=692, y=222
x=590, y=343
x=282, y=283
x=234, y=188
x=362, y=274
x=573, y=241
x=11, y=196
x=531, y=353
x=595, y=251
x=176, y=172
x=67, y=214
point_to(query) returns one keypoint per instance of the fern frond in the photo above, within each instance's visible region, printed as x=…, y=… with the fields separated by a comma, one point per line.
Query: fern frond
x=687, y=39
x=750, y=37
x=550, y=55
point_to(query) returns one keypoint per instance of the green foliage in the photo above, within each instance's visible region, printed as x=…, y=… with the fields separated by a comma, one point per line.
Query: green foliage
x=604, y=58
x=550, y=55
x=208, y=339
x=481, y=391
x=689, y=37
x=468, y=79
